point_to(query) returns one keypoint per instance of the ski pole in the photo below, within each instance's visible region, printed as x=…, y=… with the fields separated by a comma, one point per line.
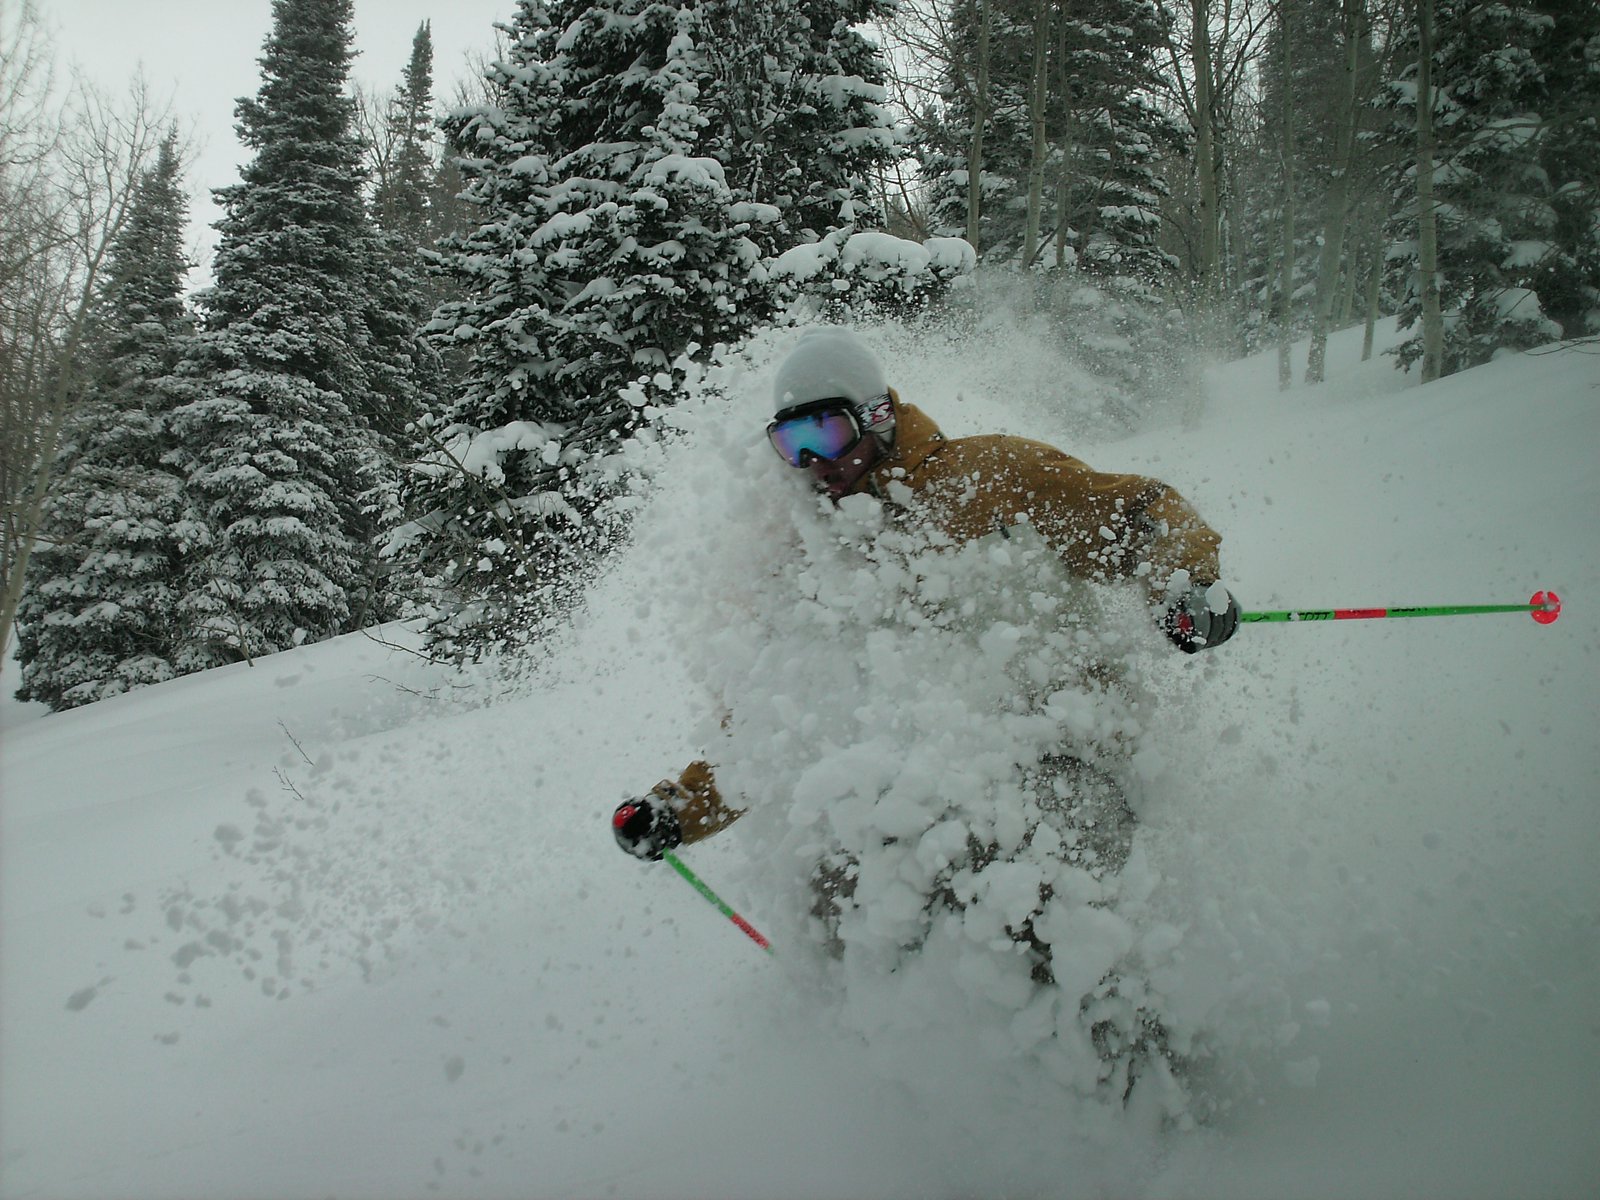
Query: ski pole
x=748, y=929
x=1544, y=608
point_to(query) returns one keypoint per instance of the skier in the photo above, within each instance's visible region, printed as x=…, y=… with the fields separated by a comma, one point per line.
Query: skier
x=838, y=420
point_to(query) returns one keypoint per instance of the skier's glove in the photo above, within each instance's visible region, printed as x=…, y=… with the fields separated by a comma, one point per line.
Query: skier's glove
x=1202, y=617
x=647, y=826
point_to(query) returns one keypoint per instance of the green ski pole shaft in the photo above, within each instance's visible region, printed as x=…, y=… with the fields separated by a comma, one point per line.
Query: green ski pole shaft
x=745, y=927
x=1544, y=608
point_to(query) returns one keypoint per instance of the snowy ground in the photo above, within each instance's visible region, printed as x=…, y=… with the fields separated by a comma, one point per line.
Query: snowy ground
x=342, y=924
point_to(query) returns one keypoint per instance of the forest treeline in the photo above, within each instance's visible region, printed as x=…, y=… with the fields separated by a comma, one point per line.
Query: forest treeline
x=435, y=324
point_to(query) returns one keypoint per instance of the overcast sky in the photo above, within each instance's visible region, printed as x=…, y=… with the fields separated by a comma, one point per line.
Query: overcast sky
x=202, y=55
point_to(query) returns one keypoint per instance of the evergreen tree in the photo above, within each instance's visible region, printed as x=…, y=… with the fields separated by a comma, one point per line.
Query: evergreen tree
x=1516, y=86
x=1107, y=134
x=409, y=212
x=605, y=250
x=1112, y=188
x=411, y=203
x=795, y=95
x=1567, y=276
x=103, y=582
x=280, y=390
x=623, y=221
x=1072, y=152
x=1003, y=110
x=1256, y=241
x=403, y=196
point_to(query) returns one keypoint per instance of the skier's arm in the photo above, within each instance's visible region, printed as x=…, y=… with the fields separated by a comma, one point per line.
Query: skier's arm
x=1174, y=538
x=1142, y=527
x=673, y=813
x=1112, y=525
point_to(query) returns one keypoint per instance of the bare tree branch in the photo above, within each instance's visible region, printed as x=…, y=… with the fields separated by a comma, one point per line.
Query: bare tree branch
x=69, y=170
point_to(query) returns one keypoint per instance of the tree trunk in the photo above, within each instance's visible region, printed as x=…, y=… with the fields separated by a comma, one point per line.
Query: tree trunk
x=980, y=117
x=1286, y=266
x=1374, y=292
x=1064, y=142
x=1427, y=218
x=1036, y=104
x=1063, y=196
x=1230, y=250
x=1351, y=280
x=1205, y=151
x=1338, y=200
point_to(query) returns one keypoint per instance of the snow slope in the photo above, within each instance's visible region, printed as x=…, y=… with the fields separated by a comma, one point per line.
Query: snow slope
x=343, y=924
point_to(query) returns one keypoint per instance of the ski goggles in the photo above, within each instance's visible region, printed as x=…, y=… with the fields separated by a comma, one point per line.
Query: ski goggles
x=822, y=429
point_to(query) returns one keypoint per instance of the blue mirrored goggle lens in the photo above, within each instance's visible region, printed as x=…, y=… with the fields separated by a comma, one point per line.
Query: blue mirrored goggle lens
x=820, y=435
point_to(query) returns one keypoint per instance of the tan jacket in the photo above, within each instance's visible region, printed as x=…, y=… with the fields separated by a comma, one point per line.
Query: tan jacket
x=1102, y=525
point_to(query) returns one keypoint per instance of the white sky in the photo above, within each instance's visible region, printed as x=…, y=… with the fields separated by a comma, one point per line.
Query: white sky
x=202, y=55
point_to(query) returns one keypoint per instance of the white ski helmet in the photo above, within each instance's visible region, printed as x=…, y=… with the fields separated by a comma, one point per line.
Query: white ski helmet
x=833, y=363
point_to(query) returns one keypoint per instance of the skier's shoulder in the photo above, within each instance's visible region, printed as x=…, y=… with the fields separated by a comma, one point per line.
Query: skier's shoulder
x=1007, y=453
x=1001, y=465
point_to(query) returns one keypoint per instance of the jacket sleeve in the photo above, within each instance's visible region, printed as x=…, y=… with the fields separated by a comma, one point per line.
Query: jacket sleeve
x=1103, y=524
x=702, y=811
x=1175, y=538
x=1126, y=526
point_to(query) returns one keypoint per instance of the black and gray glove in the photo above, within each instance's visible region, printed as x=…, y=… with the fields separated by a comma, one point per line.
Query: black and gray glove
x=1202, y=617
x=647, y=826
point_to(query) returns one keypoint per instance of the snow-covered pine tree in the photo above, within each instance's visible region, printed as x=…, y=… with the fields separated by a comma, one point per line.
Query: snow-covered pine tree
x=403, y=184
x=1515, y=90
x=1567, y=277
x=104, y=578
x=569, y=299
x=623, y=221
x=1111, y=185
x=408, y=212
x=1003, y=109
x=1336, y=200
x=281, y=396
x=409, y=203
x=1106, y=131
x=797, y=104
x=664, y=263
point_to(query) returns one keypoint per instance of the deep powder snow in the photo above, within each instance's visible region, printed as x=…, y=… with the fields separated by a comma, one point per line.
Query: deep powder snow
x=345, y=922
